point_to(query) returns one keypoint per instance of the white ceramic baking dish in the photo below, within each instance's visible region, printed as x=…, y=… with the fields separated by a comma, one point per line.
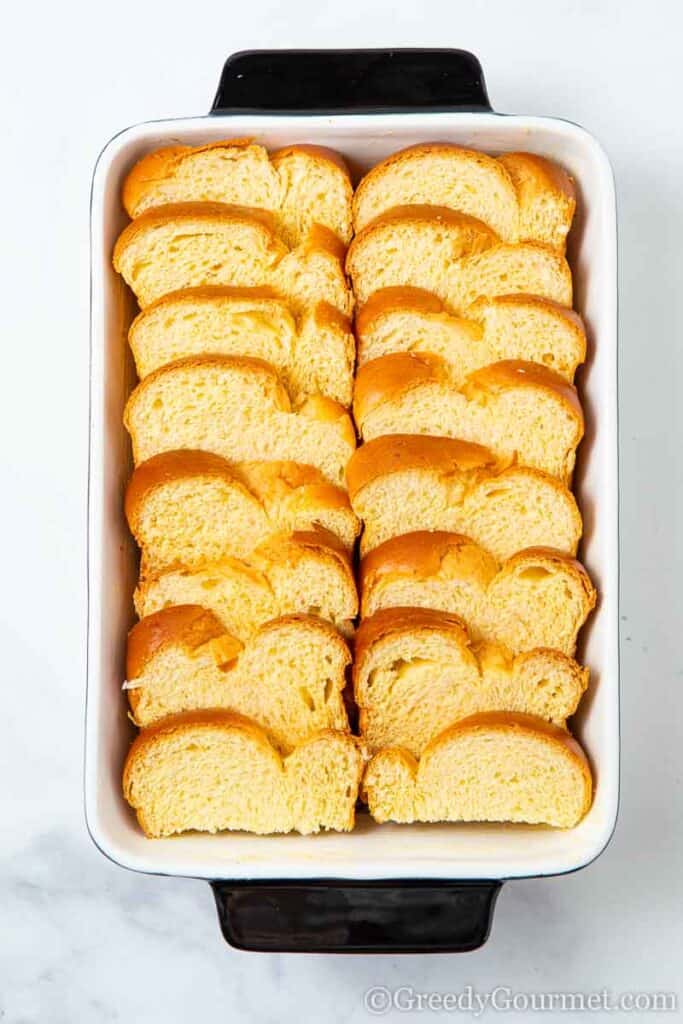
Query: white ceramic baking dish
x=366, y=104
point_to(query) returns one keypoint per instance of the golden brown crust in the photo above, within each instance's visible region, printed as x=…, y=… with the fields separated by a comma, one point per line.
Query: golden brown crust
x=390, y=621
x=294, y=476
x=320, y=237
x=167, y=467
x=152, y=166
x=313, y=623
x=551, y=174
x=186, y=624
x=396, y=453
x=329, y=316
x=331, y=156
x=519, y=372
x=225, y=212
x=210, y=291
x=383, y=379
x=322, y=539
x=419, y=553
x=327, y=410
x=396, y=297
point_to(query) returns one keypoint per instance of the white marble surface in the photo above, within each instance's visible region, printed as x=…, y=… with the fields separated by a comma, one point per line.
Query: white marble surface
x=80, y=939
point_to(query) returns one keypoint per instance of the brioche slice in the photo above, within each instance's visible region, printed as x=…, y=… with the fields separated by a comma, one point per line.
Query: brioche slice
x=456, y=257
x=415, y=672
x=301, y=185
x=301, y=573
x=521, y=196
x=494, y=766
x=189, y=245
x=401, y=483
x=288, y=676
x=210, y=771
x=547, y=197
x=314, y=355
x=237, y=408
x=187, y=508
x=506, y=327
x=537, y=598
x=522, y=411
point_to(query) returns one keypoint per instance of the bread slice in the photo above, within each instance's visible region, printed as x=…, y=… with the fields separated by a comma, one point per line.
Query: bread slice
x=314, y=354
x=506, y=327
x=187, y=508
x=415, y=671
x=210, y=771
x=546, y=194
x=522, y=411
x=300, y=573
x=302, y=185
x=454, y=256
x=288, y=676
x=237, y=408
x=495, y=766
x=522, y=197
x=537, y=598
x=188, y=245
x=401, y=483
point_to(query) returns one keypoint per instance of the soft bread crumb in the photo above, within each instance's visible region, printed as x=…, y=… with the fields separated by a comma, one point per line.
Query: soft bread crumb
x=215, y=771
x=498, y=766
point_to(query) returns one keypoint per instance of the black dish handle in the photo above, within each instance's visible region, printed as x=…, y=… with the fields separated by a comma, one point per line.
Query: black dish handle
x=356, y=917
x=350, y=81
x=337, y=916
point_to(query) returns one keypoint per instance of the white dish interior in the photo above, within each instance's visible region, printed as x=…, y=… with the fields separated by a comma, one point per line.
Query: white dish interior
x=371, y=851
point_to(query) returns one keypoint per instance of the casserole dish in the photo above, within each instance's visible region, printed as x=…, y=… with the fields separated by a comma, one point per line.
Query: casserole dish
x=390, y=888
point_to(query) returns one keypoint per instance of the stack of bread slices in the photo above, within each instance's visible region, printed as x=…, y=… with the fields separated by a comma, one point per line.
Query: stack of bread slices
x=249, y=493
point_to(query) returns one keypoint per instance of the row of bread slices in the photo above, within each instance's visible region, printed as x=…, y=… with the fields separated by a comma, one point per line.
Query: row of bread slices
x=244, y=285
x=413, y=267
x=237, y=574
